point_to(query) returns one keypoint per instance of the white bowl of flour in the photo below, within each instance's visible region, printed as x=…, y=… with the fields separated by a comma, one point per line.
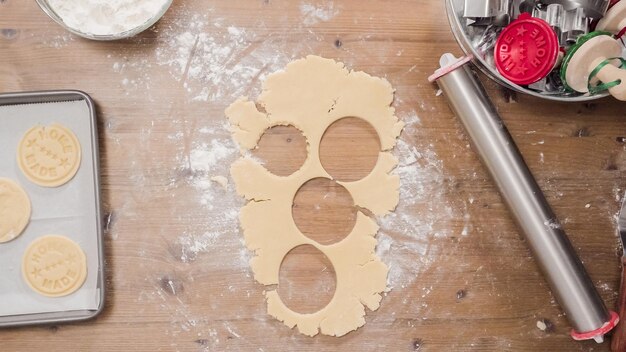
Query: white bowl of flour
x=105, y=19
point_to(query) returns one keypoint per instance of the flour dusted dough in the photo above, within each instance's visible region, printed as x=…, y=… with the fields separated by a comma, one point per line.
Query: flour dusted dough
x=14, y=210
x=310, y=95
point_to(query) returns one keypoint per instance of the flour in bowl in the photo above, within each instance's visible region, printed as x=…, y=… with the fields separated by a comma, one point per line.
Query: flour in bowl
x=106, y=17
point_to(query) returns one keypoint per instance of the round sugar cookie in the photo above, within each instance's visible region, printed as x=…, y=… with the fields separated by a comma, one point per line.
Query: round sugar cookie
x=15, y=210
x=49, y=156
x=54, y=266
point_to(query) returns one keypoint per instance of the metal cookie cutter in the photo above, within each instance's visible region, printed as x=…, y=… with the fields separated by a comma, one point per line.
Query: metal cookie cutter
x=484, y=8
x=593, y=8
x=487, y=12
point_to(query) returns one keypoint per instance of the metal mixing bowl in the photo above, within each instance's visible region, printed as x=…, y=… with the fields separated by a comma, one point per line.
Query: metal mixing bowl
x=132, y=32
x=465, y=36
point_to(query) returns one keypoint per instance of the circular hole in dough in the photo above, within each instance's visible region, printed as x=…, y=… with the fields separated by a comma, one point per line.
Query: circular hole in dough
x=15, y=210
x=324, y=211
x=307, y=280
x=49, y=156
x=54, y=266
x=349, y=149
x=282, y=150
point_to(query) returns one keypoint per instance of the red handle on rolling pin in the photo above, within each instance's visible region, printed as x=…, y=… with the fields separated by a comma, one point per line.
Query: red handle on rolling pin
x=618, y=343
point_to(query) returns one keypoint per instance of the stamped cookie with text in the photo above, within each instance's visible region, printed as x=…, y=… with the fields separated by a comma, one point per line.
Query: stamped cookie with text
x=54, y=266
x=49, y=156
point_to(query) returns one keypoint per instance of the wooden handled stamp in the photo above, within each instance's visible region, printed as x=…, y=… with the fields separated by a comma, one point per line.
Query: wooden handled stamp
x=615, y=18
x=594, y=59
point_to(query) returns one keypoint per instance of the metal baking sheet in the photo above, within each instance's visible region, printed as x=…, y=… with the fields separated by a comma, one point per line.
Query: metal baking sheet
x=71, y=210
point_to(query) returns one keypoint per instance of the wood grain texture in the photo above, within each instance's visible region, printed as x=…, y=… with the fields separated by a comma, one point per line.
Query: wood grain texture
x=471, y=286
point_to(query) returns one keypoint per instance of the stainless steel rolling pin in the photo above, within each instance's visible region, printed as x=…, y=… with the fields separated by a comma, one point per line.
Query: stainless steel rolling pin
x=552, y=249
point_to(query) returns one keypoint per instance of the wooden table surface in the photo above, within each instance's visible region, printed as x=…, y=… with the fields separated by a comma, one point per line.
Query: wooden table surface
x=461, y=279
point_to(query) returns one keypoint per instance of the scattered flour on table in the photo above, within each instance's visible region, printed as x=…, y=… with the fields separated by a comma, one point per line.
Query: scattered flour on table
x=205, y=167
x=312, y=14
x=207, y=155
x=209, y=163
x=541, y=325
x=423, y=213
x=214, y=60
x=141, y=78
x=192, y=244
x=59, y=41
x=211, y=58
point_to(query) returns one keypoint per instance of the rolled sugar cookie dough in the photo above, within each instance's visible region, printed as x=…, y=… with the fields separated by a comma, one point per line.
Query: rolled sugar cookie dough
x=14, y=210
x=311, y=94
x=49, y=156
x=54, y=266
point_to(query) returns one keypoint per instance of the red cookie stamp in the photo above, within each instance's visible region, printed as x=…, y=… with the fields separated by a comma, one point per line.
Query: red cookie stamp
x=526, y=50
